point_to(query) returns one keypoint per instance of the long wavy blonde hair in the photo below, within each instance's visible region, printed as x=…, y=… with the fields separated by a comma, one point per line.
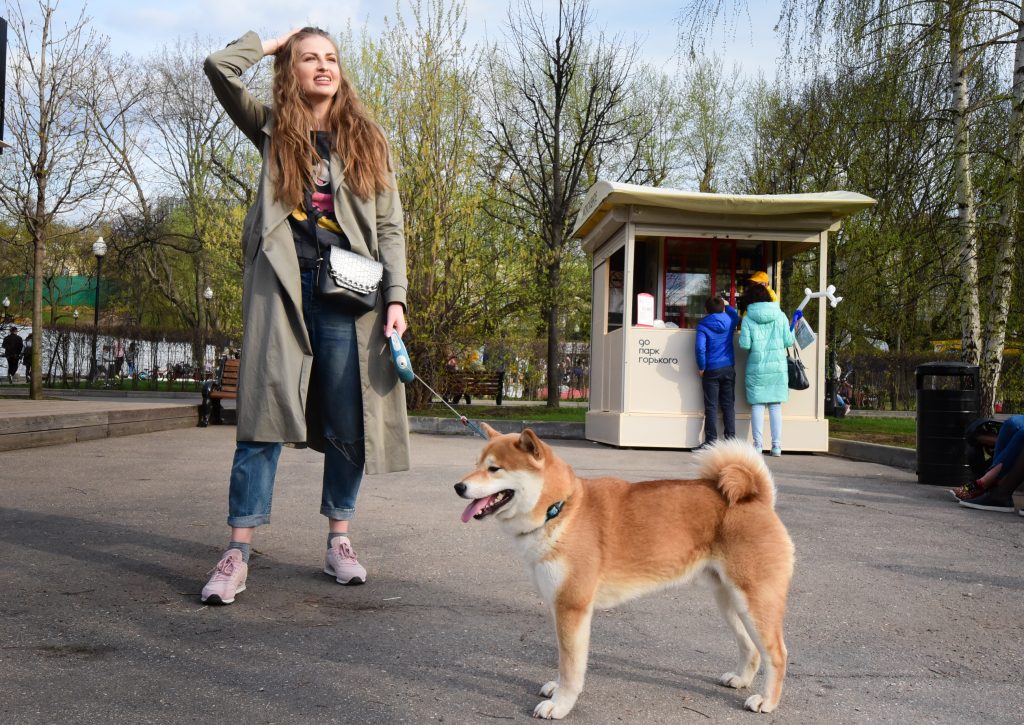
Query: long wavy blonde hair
x=359, y=142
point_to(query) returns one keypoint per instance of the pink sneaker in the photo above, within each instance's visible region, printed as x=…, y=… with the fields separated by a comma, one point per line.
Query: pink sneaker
x=341, y=562
x=228, y=579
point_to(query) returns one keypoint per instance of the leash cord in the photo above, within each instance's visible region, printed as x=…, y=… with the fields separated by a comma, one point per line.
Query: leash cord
x=402, y=362
x=462, y=419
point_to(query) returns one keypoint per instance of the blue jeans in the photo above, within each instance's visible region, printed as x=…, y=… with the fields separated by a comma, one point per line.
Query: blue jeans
x=336, y=372
x=774, y=421
x=1009, y=443
x=719, y=392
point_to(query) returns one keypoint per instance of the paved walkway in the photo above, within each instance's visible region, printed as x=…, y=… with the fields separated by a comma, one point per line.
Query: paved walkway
x=904, y=607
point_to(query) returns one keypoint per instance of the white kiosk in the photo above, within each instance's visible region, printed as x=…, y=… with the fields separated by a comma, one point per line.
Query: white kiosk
x=679, y=248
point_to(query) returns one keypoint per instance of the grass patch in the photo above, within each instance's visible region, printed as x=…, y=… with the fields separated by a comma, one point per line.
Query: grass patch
x=901, y=432
x=510, y=412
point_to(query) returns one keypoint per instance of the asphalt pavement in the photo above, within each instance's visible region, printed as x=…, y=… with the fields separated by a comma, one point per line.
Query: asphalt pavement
x=904, y=607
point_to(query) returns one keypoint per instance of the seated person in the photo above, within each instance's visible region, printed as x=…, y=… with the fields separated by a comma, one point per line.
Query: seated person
x=842, y=398
x=981, y=438
x=993, y=490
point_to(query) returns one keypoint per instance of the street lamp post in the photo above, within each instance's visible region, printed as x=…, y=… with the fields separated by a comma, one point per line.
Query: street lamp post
x=99, y=248
x=74, y=365
x=208, y=296
x=7, y=306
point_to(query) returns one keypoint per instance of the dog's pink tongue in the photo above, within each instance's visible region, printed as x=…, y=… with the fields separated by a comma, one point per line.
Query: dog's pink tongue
x=474, y=508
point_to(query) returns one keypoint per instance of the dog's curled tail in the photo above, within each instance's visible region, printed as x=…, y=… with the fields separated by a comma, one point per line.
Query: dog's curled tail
x=739, y=472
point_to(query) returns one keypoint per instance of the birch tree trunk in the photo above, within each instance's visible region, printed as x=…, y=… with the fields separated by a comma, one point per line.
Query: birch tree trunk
x=970, y=319
x=1007, y=253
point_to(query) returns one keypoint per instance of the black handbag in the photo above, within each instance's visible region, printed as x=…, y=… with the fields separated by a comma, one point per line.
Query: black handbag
x=797, y=372
x=348, y=279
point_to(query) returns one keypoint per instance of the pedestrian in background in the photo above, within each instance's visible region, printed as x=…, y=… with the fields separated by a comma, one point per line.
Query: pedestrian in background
x=766, y=334
x=26, y=358
x=716, y=365
x=118, y=357
x=13, y=346
x=761, y=278
x=130, y=356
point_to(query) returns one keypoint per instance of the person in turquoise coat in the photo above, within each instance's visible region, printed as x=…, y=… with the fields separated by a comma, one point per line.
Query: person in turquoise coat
x=765, y=334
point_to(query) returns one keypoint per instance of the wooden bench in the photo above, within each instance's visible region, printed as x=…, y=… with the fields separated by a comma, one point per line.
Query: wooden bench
x=224, y=386
x=460, y=384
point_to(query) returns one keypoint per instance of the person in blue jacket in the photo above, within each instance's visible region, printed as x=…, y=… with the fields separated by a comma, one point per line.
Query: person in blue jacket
x=716, y=365
x=766, y=334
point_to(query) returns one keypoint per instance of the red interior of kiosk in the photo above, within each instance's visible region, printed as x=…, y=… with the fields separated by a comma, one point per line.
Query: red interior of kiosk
x=696, y=269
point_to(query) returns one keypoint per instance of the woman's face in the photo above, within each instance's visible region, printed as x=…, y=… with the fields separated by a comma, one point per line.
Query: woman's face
x=316, y=67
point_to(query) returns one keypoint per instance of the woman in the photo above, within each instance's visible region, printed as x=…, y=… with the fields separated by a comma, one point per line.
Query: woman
x=765, y=333
x=311, y=373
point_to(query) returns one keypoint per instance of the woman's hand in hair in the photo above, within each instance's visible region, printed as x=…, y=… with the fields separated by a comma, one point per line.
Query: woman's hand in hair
x=274, y=45
x=395, y=320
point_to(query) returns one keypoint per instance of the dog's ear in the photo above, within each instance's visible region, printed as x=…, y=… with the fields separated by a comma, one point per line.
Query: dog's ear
x=530, y=443
x=491, y=433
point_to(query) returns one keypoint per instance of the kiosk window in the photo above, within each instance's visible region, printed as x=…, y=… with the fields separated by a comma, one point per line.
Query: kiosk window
x=645, y=269
x=616, y=288
x=696, y=269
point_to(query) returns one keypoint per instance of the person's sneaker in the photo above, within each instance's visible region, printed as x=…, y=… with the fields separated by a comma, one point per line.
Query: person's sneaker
x=703, y=446
x=971, y=489
x=962, y=492
x=989, y=502
x=776, y=452
x=228, y=579
x=341, y=562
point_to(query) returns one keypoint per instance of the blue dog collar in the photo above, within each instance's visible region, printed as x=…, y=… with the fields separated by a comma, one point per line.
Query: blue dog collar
x=556, y=508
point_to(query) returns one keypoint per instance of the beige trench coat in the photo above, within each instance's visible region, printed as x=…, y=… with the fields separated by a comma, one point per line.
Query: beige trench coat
x=277, y=402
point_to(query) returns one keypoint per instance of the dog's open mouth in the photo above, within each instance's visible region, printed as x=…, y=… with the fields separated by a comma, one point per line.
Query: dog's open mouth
x=482, y=507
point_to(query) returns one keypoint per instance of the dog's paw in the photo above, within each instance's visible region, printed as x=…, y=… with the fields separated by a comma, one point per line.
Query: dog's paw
x=731, y=679
x=550, y=710
x=548, y=688
x=757, y=703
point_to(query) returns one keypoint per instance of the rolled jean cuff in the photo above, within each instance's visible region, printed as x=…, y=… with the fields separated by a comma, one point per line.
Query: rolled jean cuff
x=248, y=522
x=338, y=514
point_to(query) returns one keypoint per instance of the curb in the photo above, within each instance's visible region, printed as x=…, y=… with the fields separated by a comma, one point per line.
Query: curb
x=873, y=453
x=893, y=456
x=53, y=393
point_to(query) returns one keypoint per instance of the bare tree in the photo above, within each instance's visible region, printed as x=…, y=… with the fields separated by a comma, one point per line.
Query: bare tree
x=56, y=180
x=556, y=96
x=653, y=153
x=712, y=100
x=188, y=176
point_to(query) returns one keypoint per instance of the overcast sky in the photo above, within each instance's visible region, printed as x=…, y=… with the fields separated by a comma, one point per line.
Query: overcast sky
x=139, y=26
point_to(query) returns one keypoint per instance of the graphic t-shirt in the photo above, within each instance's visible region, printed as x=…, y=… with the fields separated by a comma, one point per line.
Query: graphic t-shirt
x=328, y=230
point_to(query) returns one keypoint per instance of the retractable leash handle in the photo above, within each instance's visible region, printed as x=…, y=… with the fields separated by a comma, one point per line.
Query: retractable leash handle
x=400, y=356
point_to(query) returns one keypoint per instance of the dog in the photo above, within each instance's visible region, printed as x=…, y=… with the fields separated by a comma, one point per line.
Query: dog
x=599, y=542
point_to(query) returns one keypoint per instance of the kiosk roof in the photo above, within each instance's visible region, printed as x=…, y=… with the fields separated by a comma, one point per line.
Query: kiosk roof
x=604, y=195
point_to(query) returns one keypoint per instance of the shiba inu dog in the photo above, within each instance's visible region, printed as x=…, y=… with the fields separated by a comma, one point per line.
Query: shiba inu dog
x=598, y=542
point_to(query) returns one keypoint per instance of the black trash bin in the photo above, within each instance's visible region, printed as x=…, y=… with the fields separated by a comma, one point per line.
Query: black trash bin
x=948, y=399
